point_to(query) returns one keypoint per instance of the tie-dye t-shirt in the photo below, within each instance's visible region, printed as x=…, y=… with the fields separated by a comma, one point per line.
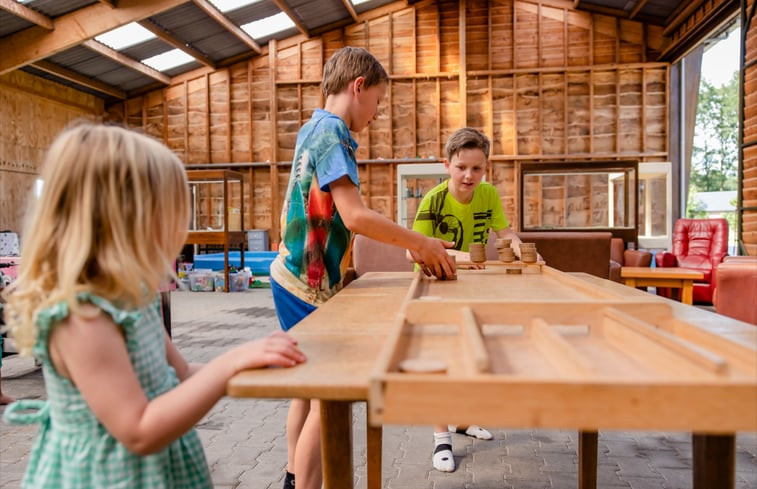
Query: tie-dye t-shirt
x=315, y=244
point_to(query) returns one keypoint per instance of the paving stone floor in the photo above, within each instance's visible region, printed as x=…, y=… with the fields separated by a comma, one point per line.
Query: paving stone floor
x=246, y=446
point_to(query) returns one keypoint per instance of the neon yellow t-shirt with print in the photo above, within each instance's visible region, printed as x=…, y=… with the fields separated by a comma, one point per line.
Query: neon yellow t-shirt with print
x=440, y=215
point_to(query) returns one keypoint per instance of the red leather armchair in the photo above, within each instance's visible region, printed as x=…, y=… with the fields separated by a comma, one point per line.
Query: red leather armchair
x=698, y=244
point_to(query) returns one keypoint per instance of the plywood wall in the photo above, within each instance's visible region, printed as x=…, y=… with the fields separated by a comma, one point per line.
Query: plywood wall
x=544, y=81
x=32, y=112
x=748, y=175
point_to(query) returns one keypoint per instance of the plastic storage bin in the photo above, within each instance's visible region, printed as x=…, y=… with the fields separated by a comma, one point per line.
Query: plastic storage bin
x=257, y=240
x=201, y=280
x=238, y=281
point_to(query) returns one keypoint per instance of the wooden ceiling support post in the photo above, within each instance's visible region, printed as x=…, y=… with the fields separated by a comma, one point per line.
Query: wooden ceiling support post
x=463, y=80
x=274, y=110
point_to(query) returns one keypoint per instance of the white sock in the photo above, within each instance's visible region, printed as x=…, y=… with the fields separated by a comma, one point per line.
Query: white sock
x=473, y=430
x=443, y=459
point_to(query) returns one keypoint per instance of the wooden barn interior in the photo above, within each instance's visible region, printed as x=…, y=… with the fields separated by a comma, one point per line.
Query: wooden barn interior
x=558, y=85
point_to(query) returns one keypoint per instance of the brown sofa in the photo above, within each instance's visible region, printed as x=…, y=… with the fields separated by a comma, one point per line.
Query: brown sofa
x=568, y=251
x=621, y=257
x=736, y=288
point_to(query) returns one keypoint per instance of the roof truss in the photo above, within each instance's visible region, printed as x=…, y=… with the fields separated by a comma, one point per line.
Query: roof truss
x=27, y=14
x=121, y=58
x=218, y=16
x=36, y=43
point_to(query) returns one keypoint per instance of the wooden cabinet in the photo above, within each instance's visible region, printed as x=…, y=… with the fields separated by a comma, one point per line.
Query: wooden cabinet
x=217, y=200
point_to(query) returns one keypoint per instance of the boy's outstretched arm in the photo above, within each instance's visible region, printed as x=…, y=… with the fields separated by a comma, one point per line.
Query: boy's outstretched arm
x=430, y=252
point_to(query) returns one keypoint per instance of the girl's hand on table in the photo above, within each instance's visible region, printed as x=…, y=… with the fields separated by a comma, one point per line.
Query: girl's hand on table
x=277, y=349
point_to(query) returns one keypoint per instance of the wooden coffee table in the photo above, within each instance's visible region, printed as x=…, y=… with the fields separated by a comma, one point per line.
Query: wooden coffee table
x=679, y=278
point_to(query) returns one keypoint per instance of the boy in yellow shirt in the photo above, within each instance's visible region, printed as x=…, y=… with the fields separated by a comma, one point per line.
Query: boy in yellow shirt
x=462, y=209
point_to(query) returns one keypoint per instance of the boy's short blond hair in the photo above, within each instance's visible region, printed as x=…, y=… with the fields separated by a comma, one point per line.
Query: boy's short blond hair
x=347, y=64
x=467, y=138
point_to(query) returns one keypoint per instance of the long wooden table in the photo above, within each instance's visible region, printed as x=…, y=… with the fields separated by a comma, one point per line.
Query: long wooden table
x=599, y=356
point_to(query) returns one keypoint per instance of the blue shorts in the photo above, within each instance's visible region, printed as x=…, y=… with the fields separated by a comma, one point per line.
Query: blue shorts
x=290, y=309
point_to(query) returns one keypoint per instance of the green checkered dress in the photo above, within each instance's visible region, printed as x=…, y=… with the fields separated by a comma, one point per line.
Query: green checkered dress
x=74, y=450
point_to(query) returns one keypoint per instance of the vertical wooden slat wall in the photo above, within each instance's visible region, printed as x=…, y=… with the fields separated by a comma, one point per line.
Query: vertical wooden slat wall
x=546, y=82
x=32, y=112
x=749, y=124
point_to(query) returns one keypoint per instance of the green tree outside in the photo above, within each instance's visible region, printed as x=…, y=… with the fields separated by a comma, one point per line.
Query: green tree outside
x=715, y=153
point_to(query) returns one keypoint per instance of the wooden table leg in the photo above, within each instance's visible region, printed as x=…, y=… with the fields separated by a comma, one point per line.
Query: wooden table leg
x=587, y=459
x=375, y=437
x=687, y=292
x=713, y=461
x=336, y=444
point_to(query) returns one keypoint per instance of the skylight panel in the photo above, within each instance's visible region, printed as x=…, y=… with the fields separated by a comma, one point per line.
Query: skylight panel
x=125, y=36
x=269, y=25
x=358, y=2
x=227, y=5
x=169, y=59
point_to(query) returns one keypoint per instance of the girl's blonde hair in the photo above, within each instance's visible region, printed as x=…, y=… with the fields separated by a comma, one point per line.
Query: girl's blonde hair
x=113, y=215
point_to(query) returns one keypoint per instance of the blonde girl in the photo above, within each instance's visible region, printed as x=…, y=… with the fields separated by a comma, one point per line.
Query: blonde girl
x=122, y=402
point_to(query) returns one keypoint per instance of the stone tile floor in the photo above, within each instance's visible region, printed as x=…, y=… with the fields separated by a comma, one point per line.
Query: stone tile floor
x=246, y=446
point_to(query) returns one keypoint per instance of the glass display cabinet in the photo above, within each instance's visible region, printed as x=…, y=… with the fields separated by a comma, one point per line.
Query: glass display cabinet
x=413, y=182
x=581, y=196
x=217, y=212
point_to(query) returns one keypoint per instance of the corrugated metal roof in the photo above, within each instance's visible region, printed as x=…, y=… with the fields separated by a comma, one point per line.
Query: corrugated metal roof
x=146, y=49
x=318, y=14
x=56, y=8
x=190, y=23
x=254, y=11
x=9, y=23
x=364, y=7
x=193, y=26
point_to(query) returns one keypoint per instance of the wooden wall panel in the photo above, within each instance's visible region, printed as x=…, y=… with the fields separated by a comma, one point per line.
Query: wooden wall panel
x=526, y=21
x=33, y=111
x=477, y=34
x=551, y=36
x=239, y=101
x=501, y=37
x=748, y=183
x=579, y=108
x=543, y=80
x=503, y=114
x=552, y=113
x=261, y=111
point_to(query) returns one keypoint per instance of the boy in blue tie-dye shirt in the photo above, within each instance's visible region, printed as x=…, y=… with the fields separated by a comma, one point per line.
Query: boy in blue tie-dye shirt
x=322, y=209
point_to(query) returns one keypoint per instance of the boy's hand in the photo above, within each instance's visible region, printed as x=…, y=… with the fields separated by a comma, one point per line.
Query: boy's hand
x=433, y=258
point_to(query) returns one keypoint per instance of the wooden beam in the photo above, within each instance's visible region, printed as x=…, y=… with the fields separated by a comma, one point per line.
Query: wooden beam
x=83, y=80
x=35, y=43
x=620, y=13
x=218, y=16
x=121, y=58
x=284, y=7
x=681, y=13
x=637, y=9
x=19, y=10
x=174, y=41
x=350, y=9
x=109, y=3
